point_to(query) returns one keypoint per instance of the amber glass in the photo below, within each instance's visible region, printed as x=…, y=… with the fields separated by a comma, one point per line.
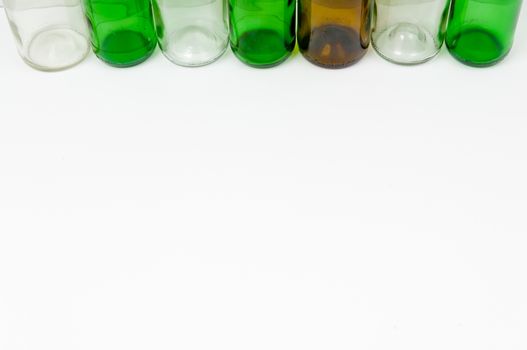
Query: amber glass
x=334, y=33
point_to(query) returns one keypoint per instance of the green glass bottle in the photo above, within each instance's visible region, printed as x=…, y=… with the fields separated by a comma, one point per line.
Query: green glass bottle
x=481, y=32
x=122, y=31
x=262, y=31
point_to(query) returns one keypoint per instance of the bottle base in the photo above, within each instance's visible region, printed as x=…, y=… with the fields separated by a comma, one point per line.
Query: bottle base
x=406, y=44
x=56, y=49
x=262, y=48
x=476, y=47
x=333, y=46
x=195, y=46
x=125, y=48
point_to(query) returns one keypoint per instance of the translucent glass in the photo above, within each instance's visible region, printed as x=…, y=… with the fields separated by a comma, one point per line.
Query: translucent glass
x=481, y=32
x=409, y=31
x=50, y=34
x=334, y=33
x=122, y=31
x=192, y=32
x=262, y=31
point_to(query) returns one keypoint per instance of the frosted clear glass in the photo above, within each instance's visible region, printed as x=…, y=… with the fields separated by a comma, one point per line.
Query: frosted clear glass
x=409, y=31
x=192, y=32
x=50, y=34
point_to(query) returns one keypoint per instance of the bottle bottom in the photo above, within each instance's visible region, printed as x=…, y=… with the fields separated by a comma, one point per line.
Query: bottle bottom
x=125, y=48
x=262, y=48
x=406, y=43
x=476, y=47
x=195, y=45
x=55, y=49
x=333, y=46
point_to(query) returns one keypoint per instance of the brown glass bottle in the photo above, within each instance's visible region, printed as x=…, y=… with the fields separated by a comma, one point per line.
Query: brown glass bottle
x=334, y=33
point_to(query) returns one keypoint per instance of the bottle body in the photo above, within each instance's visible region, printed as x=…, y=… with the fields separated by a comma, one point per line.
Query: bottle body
x=50, y=35
x=262, y=31
x=409, y=31
x=481, y=32
x=334, y=33
x=122, y=31
x=192, y=32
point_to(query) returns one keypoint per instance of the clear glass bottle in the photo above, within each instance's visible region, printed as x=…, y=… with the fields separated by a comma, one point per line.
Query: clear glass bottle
x=262, y=31
x=192, y=32
x=409, y=31
x=51, y=35
x=122, y=31
x=334, y=33
x=481, y=32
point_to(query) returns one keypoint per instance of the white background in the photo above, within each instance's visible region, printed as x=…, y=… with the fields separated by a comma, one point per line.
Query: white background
x=160, y=207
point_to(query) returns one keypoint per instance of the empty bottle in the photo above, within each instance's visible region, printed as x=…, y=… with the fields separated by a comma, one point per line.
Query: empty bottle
x=481, y=32
x=334, y=33
x=51, y=35
x=262, y=31
x=409, y=31
x=122, y=31
x=192, y=32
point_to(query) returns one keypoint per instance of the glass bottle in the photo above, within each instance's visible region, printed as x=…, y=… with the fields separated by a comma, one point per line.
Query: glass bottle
x=122, y=31
x=409, y=31
x=262, y=31
x=481, y=32
x=192, y=32
x=51, y=35
x=334, y=33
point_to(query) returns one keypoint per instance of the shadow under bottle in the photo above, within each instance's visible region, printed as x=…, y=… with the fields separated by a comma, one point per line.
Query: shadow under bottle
x=334, y=33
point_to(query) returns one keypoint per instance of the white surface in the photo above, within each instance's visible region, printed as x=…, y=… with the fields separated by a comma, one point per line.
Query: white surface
x=377, y=207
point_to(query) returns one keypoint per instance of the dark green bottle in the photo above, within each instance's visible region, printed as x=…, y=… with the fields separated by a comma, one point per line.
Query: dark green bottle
x=122, y=31
x=262, y=31
x=481, y=32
